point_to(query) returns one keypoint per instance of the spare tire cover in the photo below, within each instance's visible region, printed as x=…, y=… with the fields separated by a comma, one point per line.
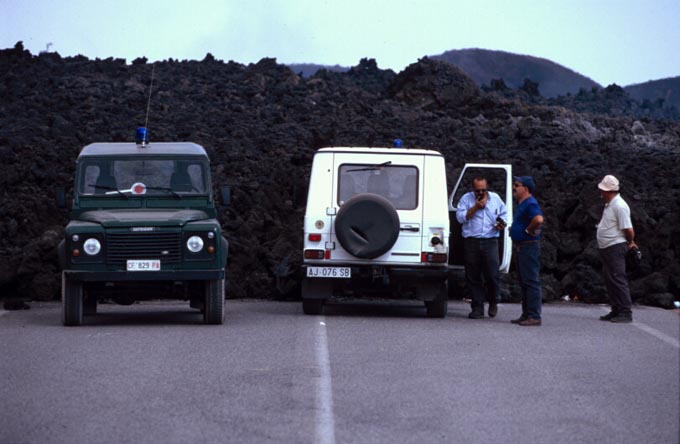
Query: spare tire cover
x=367, y=226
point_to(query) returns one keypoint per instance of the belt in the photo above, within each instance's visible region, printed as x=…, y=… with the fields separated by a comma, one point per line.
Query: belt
x=481, y=238
x=527, y=242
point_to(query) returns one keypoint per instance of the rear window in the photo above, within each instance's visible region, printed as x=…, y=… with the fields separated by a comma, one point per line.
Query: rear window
x=396, y=183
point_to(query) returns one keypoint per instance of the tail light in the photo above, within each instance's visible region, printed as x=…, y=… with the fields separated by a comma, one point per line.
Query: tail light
x=314, y=237
x=436, y=258
x=314, y=254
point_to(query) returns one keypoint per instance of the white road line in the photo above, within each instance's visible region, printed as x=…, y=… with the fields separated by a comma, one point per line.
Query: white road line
x=654, y=332
x=325, y=424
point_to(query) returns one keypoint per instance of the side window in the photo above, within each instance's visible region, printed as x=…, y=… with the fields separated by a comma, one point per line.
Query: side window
x=398, y=184
x=495, y=182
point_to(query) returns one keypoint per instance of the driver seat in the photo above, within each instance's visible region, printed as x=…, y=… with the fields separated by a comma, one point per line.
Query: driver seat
x=181, y=181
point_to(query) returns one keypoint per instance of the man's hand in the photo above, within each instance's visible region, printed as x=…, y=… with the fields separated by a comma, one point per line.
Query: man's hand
x=481, y=203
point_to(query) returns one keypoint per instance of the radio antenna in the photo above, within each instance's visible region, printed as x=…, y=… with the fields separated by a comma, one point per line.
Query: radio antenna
x=148, y=103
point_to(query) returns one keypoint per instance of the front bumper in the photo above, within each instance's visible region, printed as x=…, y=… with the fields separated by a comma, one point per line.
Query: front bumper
x=119, y=276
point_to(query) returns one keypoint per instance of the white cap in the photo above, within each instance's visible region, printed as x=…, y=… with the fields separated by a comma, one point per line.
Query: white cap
x=609, y=183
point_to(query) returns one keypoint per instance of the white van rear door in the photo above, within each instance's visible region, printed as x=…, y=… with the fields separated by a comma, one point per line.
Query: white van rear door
x=499, y=180
x=398, y=178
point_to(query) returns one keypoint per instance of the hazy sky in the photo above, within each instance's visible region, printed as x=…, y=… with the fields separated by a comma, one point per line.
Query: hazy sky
x=623, y=42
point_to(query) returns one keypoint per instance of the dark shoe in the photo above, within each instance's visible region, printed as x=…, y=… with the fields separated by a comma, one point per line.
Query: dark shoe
x=493, y=310
x=519, y=319
x=622, y=318
x=608, y=316
x=530, y=322
x=475, y=315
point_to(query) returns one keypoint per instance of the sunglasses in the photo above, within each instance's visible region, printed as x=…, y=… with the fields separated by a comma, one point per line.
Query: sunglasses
x=517, y=185
x=481, y=191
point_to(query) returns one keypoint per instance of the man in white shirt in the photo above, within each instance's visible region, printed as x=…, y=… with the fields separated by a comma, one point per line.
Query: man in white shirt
x=482, y=215
x=615, y=236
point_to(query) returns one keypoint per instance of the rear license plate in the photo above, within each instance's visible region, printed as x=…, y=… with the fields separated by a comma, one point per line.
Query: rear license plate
x=329, y=272
x=144, y=265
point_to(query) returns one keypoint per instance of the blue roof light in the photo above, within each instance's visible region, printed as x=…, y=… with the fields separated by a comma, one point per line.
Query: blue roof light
x=398, y=143
x=142, y=136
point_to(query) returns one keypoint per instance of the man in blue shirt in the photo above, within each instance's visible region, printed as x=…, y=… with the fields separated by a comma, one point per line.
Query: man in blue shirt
x=526, y=236
x=482, y=215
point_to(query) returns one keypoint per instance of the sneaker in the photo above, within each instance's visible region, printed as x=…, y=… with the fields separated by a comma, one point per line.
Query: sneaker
x=475, y=315
x=530, y=322
x=493, y=310
x=608, y=316
x=519, y=319
x=623, y=318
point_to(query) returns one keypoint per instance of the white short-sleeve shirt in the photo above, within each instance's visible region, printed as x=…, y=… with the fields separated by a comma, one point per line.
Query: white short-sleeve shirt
x=615, y=219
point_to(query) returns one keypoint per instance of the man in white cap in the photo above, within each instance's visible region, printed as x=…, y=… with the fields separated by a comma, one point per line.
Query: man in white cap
x=615, y=236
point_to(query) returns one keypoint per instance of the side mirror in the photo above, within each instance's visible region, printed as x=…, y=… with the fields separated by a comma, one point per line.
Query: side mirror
x=225, y=194
x=61, y=198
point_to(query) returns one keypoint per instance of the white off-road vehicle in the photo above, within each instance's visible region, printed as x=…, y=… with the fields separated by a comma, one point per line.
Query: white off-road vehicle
x=377, y=224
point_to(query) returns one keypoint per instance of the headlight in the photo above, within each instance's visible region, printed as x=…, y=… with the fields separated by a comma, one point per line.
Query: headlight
x=195, y=244
x=92, y=246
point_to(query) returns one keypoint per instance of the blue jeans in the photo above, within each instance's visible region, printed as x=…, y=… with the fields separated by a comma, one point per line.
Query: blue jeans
x=529, y=270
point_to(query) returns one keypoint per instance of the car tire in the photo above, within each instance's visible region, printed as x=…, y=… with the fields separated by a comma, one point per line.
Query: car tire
x=72, y=301
x=214, y=302
x=367, y=226
x=438, y=306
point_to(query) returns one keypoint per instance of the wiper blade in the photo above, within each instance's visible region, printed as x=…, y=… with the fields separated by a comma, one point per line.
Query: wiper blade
x=174, y=193
x=371, y=168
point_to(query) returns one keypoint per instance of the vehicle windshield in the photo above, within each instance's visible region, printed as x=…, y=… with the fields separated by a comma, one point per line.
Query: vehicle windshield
x=396, y=183
x=143, y=176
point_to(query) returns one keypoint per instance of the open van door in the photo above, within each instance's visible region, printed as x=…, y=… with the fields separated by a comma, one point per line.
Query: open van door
x=499, y=180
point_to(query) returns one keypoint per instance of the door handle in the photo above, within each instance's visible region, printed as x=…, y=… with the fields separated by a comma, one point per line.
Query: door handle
x=413, y=229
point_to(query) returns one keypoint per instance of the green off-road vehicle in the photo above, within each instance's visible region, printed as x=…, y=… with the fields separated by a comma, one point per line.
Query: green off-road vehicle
x=143, y=225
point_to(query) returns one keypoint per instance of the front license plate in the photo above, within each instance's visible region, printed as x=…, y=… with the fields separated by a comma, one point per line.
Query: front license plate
x=329, y=272
x=144, y=265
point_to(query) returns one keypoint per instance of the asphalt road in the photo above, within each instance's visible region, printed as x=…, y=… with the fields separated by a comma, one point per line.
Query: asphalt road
x=362, y=373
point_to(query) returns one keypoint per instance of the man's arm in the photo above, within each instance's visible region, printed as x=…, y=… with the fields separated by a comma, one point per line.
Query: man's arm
x=463, y=209
x=630, y=237
x=626, y=225
x=478, y=205
x=534, y=225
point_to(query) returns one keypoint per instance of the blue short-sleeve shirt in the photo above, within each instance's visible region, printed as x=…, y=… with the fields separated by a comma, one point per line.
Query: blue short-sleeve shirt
x=526, y=211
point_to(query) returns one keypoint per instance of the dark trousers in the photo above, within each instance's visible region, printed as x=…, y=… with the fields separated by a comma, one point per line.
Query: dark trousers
x=481, y=259
x=614, y=269
x=529, y=271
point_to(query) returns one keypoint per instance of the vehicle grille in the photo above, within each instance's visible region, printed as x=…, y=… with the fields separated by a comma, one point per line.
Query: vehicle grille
x=166, y=246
